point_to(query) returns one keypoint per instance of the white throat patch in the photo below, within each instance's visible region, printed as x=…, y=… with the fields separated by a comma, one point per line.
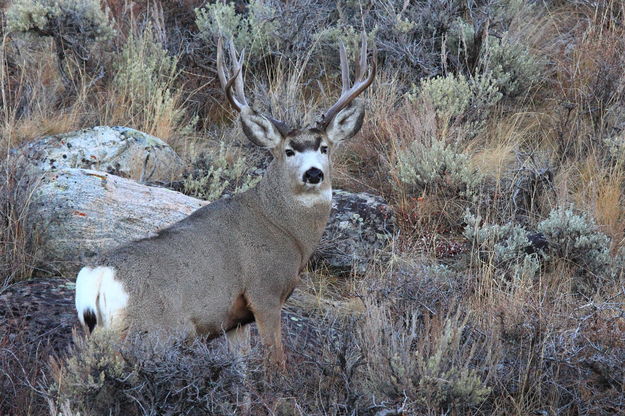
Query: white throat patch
x=312, y=198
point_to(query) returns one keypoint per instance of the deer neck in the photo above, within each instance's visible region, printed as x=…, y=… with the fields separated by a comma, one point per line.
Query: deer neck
x=301, y=219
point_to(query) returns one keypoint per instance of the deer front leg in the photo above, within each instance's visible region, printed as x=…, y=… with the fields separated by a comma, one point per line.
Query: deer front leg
x=269, y=328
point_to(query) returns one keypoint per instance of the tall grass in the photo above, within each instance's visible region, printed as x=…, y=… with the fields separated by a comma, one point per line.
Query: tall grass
x=19, y=253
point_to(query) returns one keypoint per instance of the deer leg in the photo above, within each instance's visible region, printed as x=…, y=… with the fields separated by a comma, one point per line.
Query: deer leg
x=269, y=328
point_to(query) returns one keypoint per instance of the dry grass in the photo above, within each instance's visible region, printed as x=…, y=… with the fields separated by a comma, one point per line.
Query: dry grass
x=600, y=190
x=22, y=367
x=31, y=91
x=19, y=252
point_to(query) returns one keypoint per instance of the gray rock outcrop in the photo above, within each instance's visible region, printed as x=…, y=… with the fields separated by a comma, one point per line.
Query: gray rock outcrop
x=121, y=151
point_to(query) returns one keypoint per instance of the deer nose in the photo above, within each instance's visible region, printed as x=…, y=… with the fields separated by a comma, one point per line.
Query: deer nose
x=313, y=175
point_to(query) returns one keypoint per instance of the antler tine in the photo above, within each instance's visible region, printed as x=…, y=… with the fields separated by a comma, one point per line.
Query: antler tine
x=226, y=81
x=361, y=63
x=348, y=94
x=238, y=83
x=344, y=68
x=221, y=69
x=282, y=127
x=228, y=89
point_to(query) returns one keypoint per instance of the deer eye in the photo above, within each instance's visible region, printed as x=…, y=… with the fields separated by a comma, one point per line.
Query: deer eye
x=324, y=149
x=289, y=152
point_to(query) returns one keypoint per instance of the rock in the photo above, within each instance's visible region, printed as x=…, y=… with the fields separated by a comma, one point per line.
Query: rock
x=121, y=151
x=360, y=225
x=79, y=212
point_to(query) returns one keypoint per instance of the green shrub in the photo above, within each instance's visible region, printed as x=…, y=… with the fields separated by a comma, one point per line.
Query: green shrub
x=570, y=237
x=144, y=87
x=91, y=379
x=428, y=365
x=458, y=99
x=614, y=150
x=220, y=173
x=435, y=167
x=510, y=65
x=577, y=239
x=442, y=182
x=255, y=32
x=451, y=96
x=505, y=64
x=506, y=247
x=75, y=26
x=76, y=20
x=409, y=38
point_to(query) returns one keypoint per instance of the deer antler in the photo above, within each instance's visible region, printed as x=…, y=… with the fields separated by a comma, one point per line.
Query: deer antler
x=237, y=99
x=348, y=94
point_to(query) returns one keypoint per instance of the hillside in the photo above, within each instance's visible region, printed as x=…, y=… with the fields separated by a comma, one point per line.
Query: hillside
x=494, y=129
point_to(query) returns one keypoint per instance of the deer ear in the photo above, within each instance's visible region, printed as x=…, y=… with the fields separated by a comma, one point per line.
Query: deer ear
x=347, y=122
x=259, y=129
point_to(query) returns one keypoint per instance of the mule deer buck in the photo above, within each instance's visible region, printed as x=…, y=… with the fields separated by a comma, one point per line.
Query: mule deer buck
x=235, y=260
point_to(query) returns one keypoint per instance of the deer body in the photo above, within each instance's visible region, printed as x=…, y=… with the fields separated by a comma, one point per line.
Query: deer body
x=239, y=247
x=235, y=260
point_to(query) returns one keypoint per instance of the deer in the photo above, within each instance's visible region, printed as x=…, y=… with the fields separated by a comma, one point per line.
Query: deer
x=238, y=259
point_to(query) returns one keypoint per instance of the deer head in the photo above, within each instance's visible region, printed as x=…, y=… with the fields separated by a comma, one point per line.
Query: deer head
x=302, y=155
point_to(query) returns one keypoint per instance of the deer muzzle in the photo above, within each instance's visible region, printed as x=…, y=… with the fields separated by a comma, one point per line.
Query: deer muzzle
x=313, y=176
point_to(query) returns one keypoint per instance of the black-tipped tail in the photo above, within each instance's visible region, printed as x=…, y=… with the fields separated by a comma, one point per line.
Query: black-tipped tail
x=90, y=319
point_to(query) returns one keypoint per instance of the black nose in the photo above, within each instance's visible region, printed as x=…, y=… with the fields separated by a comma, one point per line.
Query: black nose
x=313, y=175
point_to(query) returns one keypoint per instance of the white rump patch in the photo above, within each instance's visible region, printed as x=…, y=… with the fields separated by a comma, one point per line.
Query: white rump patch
x=87, y=287
x=113, y=298
x=98, y=291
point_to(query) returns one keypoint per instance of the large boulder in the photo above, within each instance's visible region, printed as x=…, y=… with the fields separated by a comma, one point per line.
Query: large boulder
x=79, y=212
x=121, y=151
x=361, y=225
